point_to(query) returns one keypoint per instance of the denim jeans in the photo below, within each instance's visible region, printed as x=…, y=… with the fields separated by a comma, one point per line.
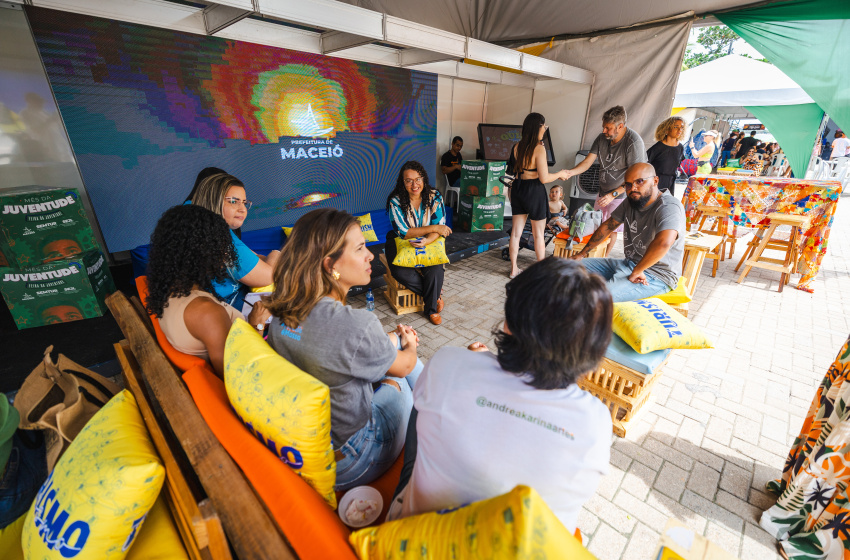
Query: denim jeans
x=371, y=451
x=616, y=272
x=724, y=157
x=26, y=470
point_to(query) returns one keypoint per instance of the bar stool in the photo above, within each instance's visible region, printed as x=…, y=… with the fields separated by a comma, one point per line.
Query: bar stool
x=786, y=266
x=719, y=227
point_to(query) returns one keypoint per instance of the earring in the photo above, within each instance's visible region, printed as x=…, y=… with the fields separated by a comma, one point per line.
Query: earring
x=335, y=274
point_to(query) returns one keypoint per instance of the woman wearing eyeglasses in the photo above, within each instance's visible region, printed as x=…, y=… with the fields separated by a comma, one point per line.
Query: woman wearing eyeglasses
x=417, y=213
x=225, y=195
x=667, y=154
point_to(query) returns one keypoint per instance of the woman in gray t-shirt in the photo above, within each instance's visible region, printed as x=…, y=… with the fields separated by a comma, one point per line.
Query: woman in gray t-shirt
x=345, y=348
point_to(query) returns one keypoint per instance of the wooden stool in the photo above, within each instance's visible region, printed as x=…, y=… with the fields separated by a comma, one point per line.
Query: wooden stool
x=720, y=228
x=698, y=245
x=623, y=390
x=562, y=251
x=402, y=300
x=786, y=266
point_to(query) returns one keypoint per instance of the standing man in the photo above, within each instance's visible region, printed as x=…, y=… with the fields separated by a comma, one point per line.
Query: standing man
x=654, y=242
x=451, y=160
x=745, y=144
x=617, y=148
x=726, y=149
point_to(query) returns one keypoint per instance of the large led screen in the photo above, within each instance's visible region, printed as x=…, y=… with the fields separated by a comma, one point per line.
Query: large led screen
x=147, y=108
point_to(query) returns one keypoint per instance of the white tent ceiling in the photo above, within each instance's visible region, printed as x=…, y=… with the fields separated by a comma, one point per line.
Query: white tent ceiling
x=737, y=81
x=505, y=20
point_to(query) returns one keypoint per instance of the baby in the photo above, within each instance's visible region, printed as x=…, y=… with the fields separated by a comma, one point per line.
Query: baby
x=557, y=210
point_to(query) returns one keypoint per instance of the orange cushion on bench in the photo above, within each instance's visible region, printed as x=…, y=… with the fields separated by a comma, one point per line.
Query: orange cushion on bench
x=183, y=362
x=310, y=525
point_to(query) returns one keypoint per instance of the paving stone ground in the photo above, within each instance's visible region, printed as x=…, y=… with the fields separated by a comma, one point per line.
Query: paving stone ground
x=721, y=421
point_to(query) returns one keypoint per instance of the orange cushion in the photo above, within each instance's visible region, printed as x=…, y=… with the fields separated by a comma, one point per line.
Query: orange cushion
x=183, y=362
x=310, y=525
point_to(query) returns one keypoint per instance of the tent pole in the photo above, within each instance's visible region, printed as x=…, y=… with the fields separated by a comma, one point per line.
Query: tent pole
x=587, y=112
x=816, y=148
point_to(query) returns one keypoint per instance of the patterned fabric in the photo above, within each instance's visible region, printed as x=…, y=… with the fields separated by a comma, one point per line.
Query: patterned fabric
x=812, y=515
x=753, y=164
x=753, y=198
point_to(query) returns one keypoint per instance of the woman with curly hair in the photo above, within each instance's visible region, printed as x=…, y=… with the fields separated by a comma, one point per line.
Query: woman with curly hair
x=482, y=419
x=417, y=213
x=344, y=348
x=225, y=195
x=667, y=154
x=191, y=250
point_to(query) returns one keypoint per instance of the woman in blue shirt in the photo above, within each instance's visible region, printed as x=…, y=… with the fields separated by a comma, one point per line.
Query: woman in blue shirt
x=225, y=195
x=417, y=213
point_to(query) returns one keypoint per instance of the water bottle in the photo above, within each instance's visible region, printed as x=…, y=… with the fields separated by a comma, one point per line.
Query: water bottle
x=370, y=301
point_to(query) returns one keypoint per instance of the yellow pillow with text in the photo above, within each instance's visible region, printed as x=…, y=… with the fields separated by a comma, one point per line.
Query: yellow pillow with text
x=94, y=502
x=366, y=227
x=408, y=256
x=650, y=324
x=515, y=525
x=285, y=408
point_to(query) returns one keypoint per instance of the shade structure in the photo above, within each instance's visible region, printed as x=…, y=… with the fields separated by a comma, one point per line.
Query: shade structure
x=795, y=127
x=737, y=81
x=809, y=40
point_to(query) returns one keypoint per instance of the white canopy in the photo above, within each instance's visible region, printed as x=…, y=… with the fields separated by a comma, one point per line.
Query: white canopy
x=737, y=81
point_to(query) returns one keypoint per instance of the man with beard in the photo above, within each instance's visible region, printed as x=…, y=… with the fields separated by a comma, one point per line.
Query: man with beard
x=654, y=240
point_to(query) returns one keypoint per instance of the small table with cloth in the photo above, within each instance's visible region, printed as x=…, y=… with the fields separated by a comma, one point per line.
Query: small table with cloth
x=751, y=199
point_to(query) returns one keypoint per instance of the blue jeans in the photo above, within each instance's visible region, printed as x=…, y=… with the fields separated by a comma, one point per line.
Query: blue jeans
x=724, y=156
x=25, y=472
x=616, y=272
x=371, y=451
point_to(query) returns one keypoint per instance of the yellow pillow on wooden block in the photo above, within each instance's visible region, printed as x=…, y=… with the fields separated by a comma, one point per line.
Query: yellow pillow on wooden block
x=515, y=525
x=366, y=227
x=678, y=295
x=94, y=502
x=408, y=256
x=650, y=324
x=285, y=408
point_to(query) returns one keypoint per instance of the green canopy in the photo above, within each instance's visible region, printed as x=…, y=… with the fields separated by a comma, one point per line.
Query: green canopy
x=795, y=127
x=809, y=40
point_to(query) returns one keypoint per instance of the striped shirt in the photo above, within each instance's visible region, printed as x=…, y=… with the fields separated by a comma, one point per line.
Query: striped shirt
x=425, y=215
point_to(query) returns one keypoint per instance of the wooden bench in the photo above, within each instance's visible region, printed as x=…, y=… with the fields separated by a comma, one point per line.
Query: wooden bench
x=562, y=251
x=698, y=245
x=213, y=505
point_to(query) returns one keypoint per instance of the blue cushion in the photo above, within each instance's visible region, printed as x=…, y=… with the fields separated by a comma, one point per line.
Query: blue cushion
x=623, y=354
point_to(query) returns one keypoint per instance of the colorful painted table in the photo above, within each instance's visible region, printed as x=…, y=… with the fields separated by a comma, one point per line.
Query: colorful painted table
x=753, y=198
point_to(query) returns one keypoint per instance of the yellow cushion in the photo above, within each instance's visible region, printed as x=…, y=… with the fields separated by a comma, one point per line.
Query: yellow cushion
x=10, y=539
x=650, y=324
x=366, y=227
x=158, y=539
x=270, y=289
x=518, y=524
x=287, y=231
x=94, y=502
x=678, y=295
x=409, y=256
x=287, y=409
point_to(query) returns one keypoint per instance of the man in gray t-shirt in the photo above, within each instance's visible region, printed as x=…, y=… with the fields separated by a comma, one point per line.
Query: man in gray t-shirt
x=654, y=241
x=616, y=149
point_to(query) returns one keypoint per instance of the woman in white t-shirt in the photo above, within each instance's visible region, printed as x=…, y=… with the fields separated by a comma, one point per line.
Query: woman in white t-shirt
x=484, y=423
x=840, y=146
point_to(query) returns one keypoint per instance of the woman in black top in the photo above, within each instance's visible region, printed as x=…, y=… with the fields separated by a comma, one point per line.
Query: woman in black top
x=666, y=154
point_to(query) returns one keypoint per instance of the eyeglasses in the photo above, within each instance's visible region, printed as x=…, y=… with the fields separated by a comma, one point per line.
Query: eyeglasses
x=233, y=201
x=638, y=182
x=410, y=182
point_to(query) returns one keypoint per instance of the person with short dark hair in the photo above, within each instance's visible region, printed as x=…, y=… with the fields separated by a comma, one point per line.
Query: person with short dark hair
x=617, y=148
x=59, y=245
x=726, y=148
x=451, y=161
x=745, y=144
x=60, y=311
x=654, y=242
x=484, y=423
x=840, y=146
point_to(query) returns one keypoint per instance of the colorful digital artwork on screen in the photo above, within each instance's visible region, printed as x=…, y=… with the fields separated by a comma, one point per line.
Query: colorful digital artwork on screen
x=146, y=109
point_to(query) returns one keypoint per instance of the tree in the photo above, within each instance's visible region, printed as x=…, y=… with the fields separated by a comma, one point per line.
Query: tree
x=716, y=42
